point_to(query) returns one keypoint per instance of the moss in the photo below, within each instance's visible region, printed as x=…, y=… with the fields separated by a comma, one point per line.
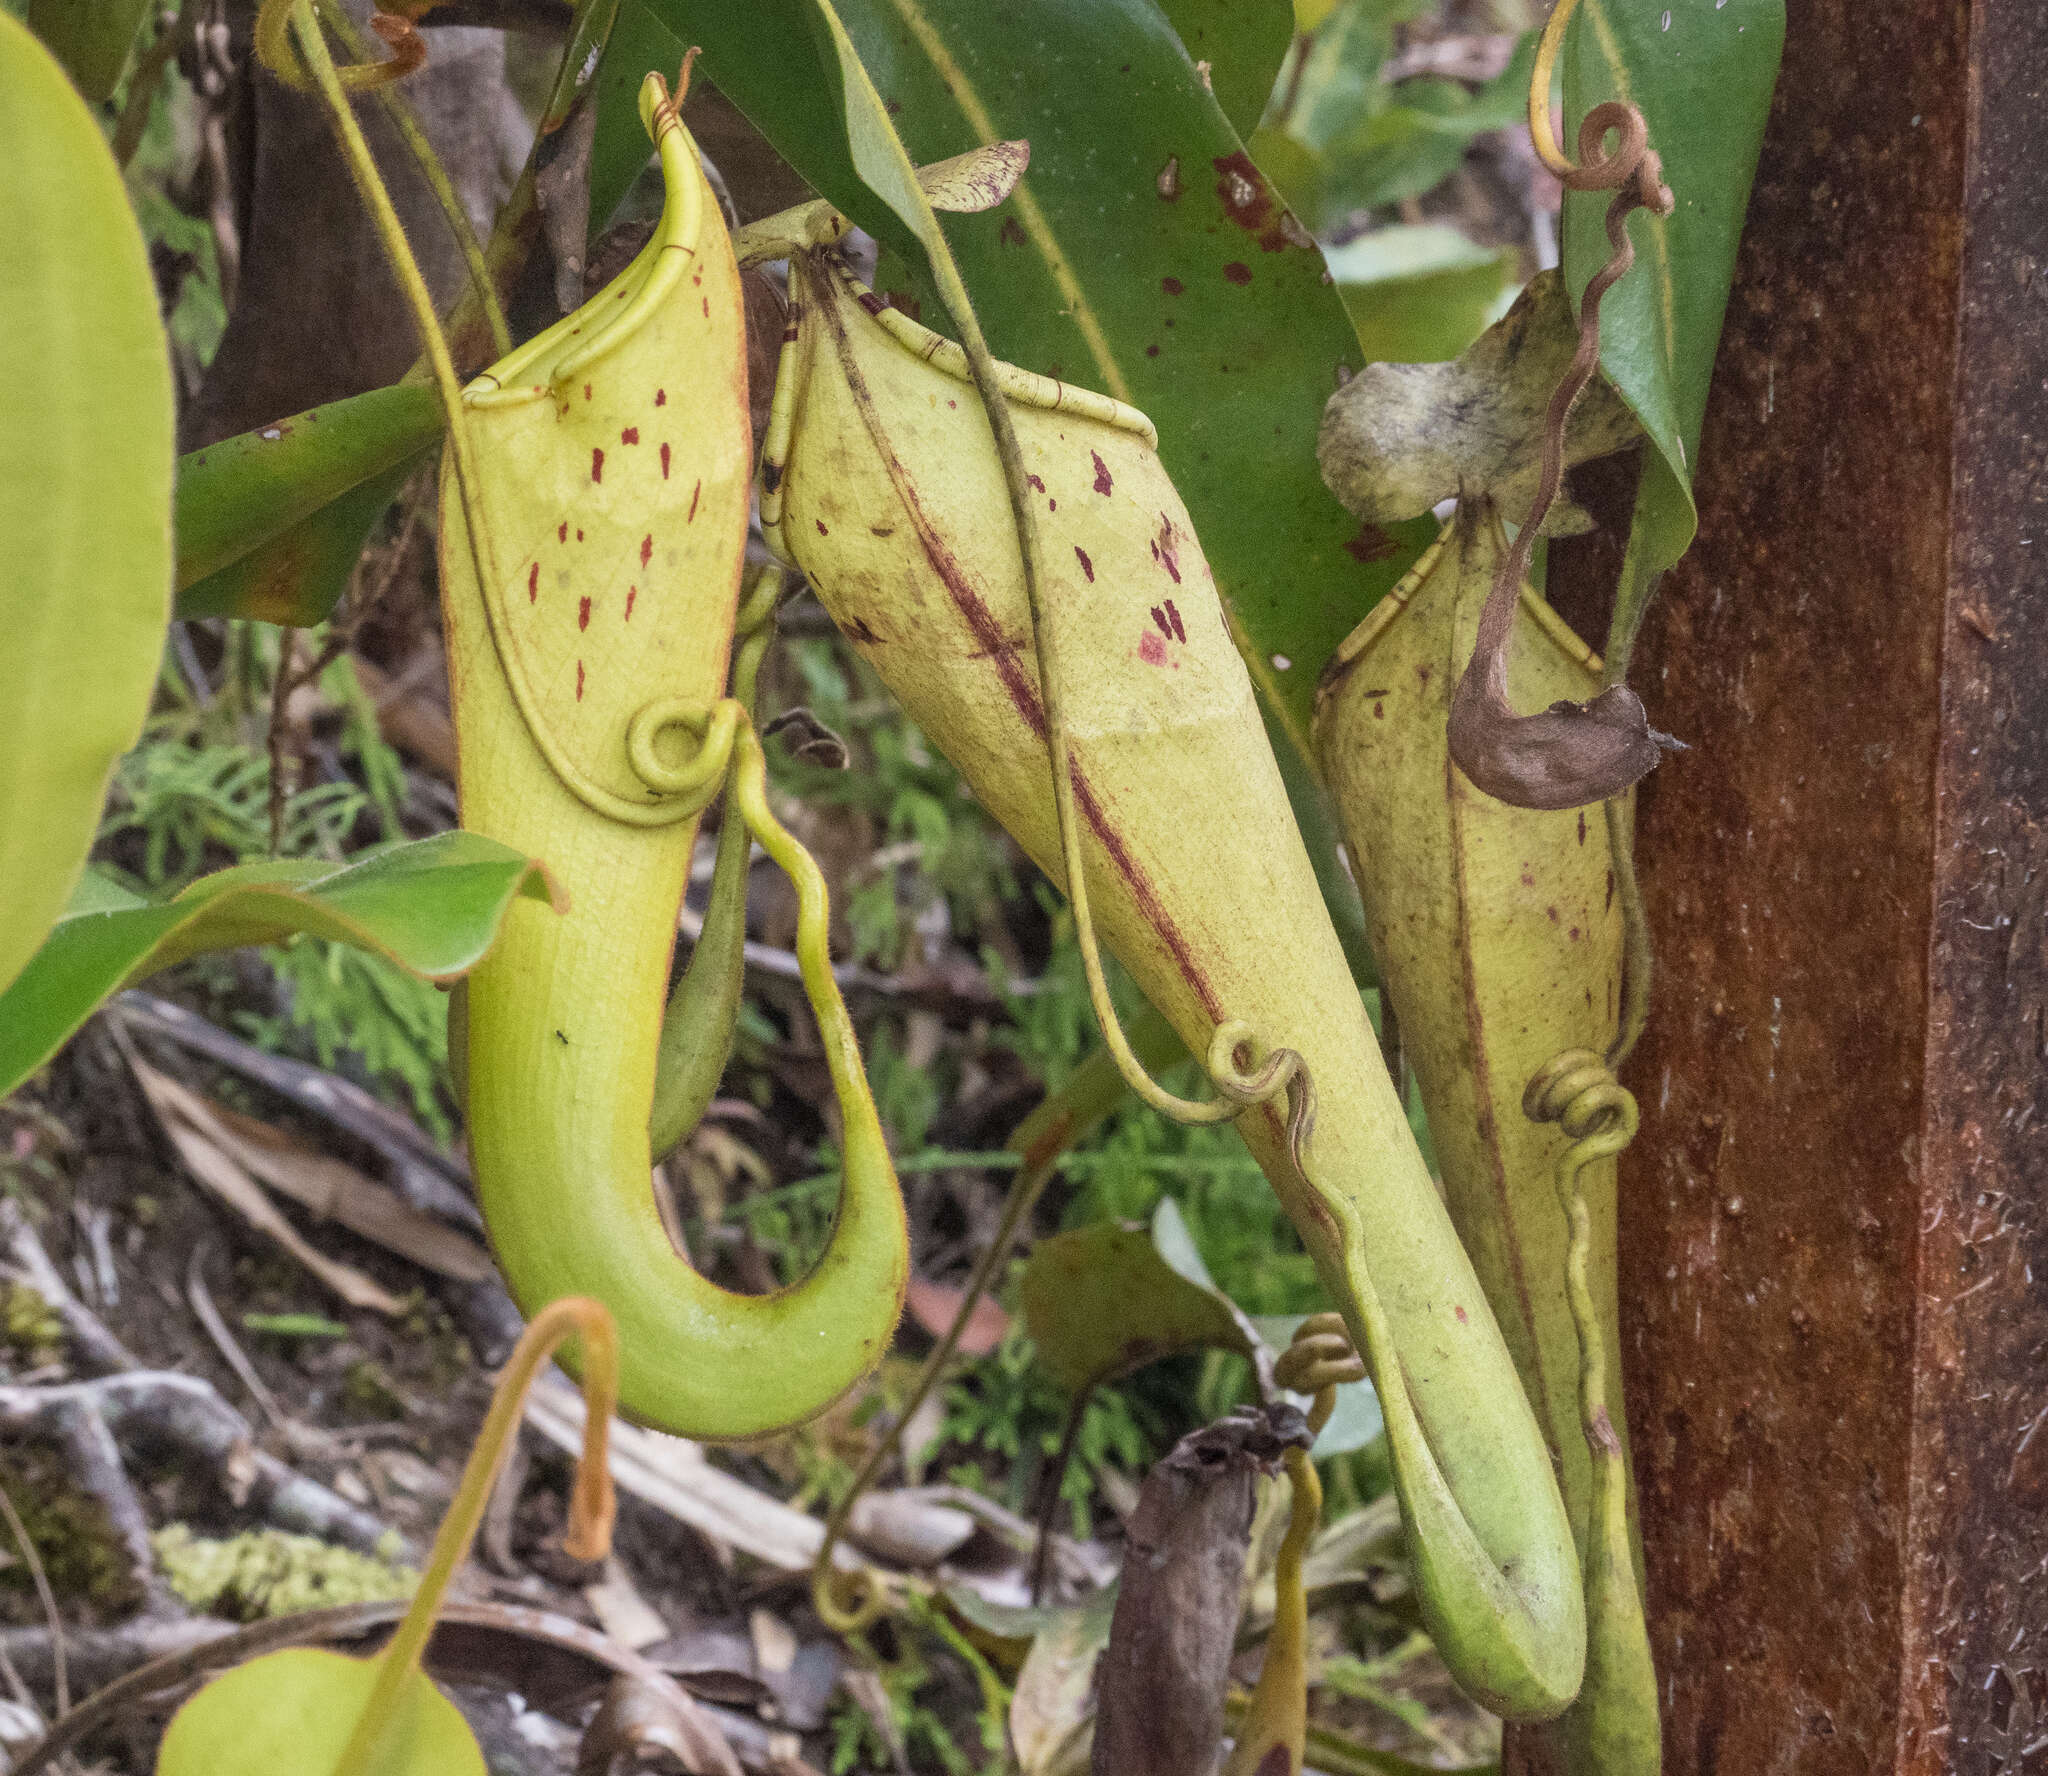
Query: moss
x=266, y=1572
x=31, y=1330
x=367, y=1388
x=445, y=1354
x=70, y=1534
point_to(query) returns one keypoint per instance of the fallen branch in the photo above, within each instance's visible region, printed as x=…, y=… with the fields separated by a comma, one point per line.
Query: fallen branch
x=184, y=1414
x=93, y=1342
x=425, y=1174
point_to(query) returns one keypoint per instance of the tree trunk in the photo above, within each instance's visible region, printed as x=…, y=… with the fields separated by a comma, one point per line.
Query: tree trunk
x=1834, y=1218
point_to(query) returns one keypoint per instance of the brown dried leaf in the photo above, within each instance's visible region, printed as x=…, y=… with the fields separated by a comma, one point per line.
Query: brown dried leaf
x=637, y=1721
x=809, y=739
x=1052, y=1710
x=1160, y=1711
x=195, y=1130
x=336, y=1191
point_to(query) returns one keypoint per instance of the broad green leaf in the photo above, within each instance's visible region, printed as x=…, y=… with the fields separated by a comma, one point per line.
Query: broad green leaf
x=780, y=47
x=1244, y=43
x=90, y=37
x=1101, y=1301
x=1420, y=293
x=1702, y=72
x=85, y=485
x=291, y=1713
x=270, y=523
x=432, y=906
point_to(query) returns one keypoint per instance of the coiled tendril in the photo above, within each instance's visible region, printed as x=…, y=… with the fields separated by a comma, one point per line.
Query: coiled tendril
x=1570, y=754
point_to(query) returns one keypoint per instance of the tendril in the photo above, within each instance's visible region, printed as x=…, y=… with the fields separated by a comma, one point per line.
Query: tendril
x=1242, y=1076
x=1320, y=1357
x=592, y=1506
x=696, y=780
x=1317, y=1362
x=274, y=50
x=1576, y=1091
x=1570, y=754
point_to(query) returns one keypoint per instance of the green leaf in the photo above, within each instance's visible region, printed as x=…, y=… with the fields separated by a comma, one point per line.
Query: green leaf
x=1349, y=142
x=1244, y=42
x=291, y=1713
x=1101, y=1301
x=1420, y=293
x=294, y=1325
x=433, y=907
x=1702, y=72
x=780, y=47
x=85, y=486
x=1174, y=1240
x=90, y=37
x=270, y=523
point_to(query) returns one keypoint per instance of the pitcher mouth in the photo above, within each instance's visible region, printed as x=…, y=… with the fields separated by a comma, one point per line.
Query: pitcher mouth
x=578, y=342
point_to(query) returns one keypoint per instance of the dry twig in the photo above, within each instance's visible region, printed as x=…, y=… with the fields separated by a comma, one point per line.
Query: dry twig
x=183, y=1414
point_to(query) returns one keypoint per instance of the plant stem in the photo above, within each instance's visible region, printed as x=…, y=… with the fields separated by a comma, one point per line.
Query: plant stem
x=398, y=253
x=591, y=1504
x=406, y=121
x=518, y=218
x=281, y=687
